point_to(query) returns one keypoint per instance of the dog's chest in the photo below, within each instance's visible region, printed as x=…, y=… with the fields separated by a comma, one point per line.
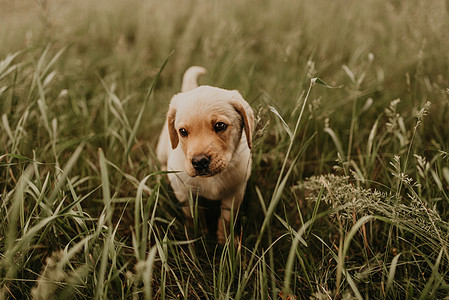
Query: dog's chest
x=216, y=187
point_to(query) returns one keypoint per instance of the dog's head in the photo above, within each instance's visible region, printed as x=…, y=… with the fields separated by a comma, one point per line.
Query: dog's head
x=208, y=123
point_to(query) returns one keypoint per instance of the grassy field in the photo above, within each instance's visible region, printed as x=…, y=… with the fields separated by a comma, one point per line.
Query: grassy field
x=349, y=193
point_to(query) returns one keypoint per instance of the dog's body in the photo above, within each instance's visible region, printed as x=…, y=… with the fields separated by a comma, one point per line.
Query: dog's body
x=207, y=140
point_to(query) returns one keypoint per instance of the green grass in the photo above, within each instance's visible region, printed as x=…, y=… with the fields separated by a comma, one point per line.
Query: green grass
x=349, y=193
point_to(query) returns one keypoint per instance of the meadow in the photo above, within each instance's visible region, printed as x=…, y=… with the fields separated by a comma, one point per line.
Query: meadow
x=349, y=192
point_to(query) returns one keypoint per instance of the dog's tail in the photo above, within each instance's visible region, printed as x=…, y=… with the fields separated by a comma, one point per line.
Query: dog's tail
x=190, y=78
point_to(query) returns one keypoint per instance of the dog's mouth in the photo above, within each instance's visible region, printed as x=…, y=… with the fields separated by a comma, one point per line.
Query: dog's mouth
x=206, y=173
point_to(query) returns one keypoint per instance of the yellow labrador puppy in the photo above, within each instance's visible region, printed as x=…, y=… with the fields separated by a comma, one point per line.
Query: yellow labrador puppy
x=207, y=139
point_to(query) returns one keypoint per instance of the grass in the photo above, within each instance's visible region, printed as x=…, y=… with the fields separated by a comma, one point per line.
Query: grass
x=349, y=193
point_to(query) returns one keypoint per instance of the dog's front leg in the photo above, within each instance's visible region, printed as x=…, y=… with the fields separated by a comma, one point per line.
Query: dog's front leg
x=194, y=217
x=182, y=195
x=229, y=210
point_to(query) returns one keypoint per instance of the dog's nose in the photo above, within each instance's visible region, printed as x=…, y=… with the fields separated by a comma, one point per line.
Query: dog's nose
x=201, y=162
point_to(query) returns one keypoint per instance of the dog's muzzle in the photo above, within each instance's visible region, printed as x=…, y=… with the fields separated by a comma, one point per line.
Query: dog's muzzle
x=201, y=164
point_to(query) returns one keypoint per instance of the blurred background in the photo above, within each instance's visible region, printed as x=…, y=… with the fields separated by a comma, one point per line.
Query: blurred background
x=271, y=47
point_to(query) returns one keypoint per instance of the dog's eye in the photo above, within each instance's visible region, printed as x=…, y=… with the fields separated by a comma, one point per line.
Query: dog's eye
x=183, y=132
x=220, y=126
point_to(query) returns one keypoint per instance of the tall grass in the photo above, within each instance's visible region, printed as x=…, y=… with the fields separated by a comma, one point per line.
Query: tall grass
x=348, y=196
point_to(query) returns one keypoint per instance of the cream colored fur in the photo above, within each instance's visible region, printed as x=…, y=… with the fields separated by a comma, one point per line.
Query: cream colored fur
x=197, y=110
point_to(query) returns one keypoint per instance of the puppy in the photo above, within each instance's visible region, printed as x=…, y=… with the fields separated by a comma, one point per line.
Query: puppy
x=207, y=140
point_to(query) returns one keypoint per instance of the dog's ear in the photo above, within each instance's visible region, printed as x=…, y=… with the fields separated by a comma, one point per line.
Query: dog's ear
x=171, y=117
x=246, y=112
